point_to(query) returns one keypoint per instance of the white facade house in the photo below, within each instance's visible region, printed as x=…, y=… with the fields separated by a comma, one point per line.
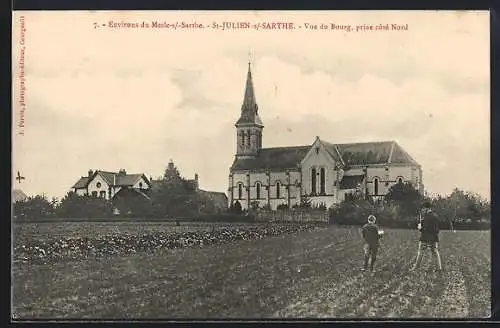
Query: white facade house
x=107, y=184
x=324, y=172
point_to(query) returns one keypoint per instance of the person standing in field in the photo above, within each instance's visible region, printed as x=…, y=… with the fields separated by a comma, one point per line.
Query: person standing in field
x=371, y=236
x=429, y=237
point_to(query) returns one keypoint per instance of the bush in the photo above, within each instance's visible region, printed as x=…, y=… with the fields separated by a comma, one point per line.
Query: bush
x=33, y=208
x=76, y=206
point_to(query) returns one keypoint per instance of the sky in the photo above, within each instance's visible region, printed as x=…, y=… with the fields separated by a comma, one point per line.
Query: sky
x=101, y=97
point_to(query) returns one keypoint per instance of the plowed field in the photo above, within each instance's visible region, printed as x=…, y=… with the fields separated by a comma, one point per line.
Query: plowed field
x=307, y=274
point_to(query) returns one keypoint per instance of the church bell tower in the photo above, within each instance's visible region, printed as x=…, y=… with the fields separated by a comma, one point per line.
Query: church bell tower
x=249, y=126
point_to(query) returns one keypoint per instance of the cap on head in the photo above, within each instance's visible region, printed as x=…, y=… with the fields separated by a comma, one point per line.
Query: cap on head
x=372, y=218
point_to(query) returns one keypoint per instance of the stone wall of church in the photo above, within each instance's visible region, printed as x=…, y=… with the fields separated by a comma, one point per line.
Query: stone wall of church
x=266, y=188
x=314, y=162
x=388, y=176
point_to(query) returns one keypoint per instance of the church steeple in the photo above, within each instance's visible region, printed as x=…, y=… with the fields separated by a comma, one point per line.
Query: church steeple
x=249, y=108
x=249, y=126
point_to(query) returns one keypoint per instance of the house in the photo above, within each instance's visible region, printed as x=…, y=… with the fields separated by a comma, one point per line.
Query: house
x=326, y=173
x=18, y=195
x=109, y=185
x=218, y=199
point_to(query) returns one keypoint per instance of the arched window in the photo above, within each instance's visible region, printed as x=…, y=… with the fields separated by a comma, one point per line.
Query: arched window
x=257, y=189
x=278, y=187
x=242, y=138
x=375, y=186
x=313, y=181
x=322, y=180
x=240, y=191
x=400, y=180
x=248, y=138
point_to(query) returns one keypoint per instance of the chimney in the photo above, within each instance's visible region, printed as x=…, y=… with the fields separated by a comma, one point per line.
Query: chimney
x=122, y=172
x=197, y=184
x=90, y=173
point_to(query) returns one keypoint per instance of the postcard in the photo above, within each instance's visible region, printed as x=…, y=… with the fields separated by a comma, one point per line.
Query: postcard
x=250, y=165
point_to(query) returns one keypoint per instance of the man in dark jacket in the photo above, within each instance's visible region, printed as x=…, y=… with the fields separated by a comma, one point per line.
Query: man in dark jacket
x=371, y=236
x=429, y=236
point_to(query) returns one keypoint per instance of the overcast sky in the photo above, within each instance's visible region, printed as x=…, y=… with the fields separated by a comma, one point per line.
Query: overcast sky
x=134, y=98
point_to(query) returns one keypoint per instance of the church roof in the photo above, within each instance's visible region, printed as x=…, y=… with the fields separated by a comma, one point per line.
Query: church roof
x=249, y=107
x=367, y=153
x=273, y=159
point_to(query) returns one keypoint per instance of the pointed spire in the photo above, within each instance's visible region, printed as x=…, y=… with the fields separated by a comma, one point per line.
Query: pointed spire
x=249, y=102
x=249, y=108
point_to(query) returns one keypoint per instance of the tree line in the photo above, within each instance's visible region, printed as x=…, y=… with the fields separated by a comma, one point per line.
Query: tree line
x=171, y=196
x=400, y=209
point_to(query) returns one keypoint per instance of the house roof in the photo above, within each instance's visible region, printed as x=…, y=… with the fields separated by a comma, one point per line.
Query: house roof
x=351, y=181
x=128, y=180
x=81, y=183
x=273, y=158
x=219, y=198
x=111, y=178
x=18, y=195
x=281, y=158
x=128, y=191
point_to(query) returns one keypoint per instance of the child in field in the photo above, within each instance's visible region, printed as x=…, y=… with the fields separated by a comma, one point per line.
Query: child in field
x=429, y=237
x=371, y=235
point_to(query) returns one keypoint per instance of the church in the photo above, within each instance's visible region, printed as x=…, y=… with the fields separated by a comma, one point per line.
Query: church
x=324, y=172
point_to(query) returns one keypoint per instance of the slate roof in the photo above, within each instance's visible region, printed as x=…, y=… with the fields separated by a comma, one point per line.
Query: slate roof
x=279, y=158
x=18, y=195
x=82, y=183
x=365, y=153
x=125, y=191
x=351, y=181
x=219, y=198
x=111, y=178
x=127, y=180
x=368, y=153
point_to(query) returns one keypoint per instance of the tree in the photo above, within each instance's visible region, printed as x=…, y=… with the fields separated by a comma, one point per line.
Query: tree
x=174, y=196
x=405, y=197
x=237, y=207
x=85, y=206
x=254, y=205
x=462, y=207
x=305, y=202
x=33, y=208
x=129, y=201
